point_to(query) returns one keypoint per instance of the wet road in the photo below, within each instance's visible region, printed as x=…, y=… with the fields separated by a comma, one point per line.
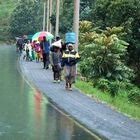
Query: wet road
x=25, y=114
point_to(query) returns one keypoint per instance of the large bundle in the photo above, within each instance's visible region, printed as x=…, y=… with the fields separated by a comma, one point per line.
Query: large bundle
x=70, y=38
x=57, y=44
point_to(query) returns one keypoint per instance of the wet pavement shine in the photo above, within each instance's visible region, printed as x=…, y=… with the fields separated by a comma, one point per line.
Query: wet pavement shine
x=25, y=114
x=96, y=116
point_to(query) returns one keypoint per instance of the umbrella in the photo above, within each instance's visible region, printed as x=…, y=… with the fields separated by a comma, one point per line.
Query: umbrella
x=39, y=36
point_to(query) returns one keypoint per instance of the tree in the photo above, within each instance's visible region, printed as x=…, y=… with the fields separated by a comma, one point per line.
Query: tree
x=26, y=18
x=76, y=21
x=57, y=17
x=66, y=17
x=85, y=9
x=66, y=13
x=103, y=54
x=125, y=13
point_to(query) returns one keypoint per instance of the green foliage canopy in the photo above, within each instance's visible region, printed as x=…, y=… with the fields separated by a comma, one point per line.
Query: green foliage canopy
x=124, y=13
x=103, y=56
x=26, y=18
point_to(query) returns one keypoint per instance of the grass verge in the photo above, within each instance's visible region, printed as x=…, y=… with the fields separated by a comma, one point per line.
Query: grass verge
x=119, y=103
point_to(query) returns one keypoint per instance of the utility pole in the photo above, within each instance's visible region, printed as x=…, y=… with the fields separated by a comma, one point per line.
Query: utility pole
x=50, y=28
x=76, y=21
x=44, y=22
x=48, y=6
x=57, y=17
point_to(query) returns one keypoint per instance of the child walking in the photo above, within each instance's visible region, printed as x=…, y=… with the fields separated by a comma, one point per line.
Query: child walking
x=37, y=50
x=56, y=63
x=27, y=54
x=28, y=49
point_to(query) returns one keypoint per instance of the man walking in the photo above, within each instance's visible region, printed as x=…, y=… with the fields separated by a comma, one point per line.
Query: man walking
x=45, y=52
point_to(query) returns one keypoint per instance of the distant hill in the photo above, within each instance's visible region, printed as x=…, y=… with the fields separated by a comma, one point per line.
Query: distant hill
x=6, y=8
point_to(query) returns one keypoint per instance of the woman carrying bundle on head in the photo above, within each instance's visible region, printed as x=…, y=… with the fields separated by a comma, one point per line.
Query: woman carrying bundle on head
x=69, y=60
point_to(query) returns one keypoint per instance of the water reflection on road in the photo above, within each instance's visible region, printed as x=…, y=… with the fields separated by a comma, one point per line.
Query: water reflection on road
x=25, y=114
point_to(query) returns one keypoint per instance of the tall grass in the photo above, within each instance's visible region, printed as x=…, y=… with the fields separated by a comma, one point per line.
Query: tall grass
x=119, y=103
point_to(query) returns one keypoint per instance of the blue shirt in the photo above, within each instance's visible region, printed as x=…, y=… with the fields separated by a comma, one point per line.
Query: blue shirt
x=46, y=48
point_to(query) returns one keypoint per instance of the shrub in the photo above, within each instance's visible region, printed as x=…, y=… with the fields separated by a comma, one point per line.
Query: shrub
x=114, y=88
x=105, y=58
x=134, y=95
x=103, y=84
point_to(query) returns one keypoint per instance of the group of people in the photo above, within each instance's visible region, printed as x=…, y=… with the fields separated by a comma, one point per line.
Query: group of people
x=59, y=55
x=30, y=50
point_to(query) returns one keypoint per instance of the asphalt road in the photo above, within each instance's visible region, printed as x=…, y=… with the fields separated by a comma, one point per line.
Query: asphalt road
x=95, y=116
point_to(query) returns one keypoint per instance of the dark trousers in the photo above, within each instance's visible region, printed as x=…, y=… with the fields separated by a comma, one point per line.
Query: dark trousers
x=46, y=60
x=56, y=72
x=20, y=48
x=56, y=75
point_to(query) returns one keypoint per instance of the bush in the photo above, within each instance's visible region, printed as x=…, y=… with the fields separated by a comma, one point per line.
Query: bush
x=128, y=86
x=105, y=58
x=116, y=87
x=106, y=13
x=134, y=95
x=111, y=87
x=103, y=84
x=106, y=86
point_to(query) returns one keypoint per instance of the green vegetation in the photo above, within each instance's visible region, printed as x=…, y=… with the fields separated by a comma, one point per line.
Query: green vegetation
x=105, y=16
x=6, y=8
x=104, y=65
x=109, y=44
x=106, y=13
x=120, y=103
x=103, y=56
x=19, y=17
x=26, y=18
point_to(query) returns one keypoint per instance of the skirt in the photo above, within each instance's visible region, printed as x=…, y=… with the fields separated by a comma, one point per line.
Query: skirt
x=70, y=71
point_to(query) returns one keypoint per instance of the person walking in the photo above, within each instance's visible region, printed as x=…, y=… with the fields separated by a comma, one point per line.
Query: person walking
x=69, y=60
x=37, y=51
x=27, y=54
x=19, y=44
x=56, y=63
x=28, y=49
x=45, y=51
